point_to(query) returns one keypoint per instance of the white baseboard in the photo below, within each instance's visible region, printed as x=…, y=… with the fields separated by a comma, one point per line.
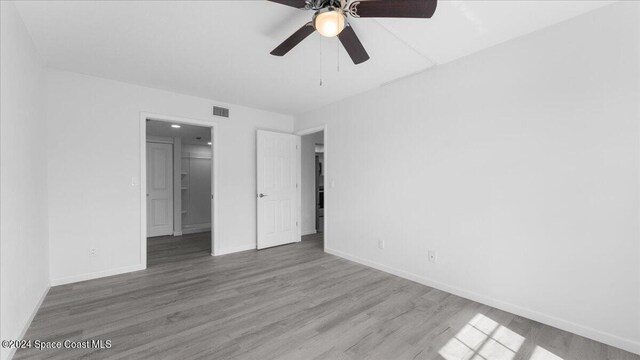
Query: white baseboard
x=177, y=233
x=234, y=250
x=96, y=275
x=195, y=231
x=588, y=332
x=33, y=315
x=195, y=228
x=308, y=232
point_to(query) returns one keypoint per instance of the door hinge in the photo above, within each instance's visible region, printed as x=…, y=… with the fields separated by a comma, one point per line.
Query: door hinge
x=296, y=186
x=296, y=224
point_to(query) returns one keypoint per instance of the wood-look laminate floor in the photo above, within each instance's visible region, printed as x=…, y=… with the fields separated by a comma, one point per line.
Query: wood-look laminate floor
x=289, y=302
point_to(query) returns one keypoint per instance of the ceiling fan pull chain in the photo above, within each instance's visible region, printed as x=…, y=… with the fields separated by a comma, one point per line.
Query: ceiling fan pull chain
x=338, y=52
x=320, y=60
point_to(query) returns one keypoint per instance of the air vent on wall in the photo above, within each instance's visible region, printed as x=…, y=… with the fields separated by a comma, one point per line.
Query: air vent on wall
x=220, y=111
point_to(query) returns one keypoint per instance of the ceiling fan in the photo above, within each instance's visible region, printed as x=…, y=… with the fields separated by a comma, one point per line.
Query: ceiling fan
x=330, y=19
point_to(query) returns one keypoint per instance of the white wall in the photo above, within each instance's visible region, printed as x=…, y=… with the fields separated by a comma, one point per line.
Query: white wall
x=198, y=149
x=518, y=165
x=24, y=245
x=94, y=152
x=308, y=180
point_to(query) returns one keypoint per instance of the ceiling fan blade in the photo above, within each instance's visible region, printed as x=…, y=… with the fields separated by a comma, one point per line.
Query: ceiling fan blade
x=294, y=40
x=393, y=8
x=352, y=44
x=300, y=4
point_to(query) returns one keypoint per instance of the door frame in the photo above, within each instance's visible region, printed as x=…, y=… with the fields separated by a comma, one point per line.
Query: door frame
x=301, y=133
x=143, y=177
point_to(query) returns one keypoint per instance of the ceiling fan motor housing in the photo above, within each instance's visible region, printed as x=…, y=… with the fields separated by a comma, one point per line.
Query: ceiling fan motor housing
x=321, y=4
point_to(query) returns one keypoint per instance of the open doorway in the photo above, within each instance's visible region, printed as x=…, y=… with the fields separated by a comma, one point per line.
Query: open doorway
x=178, y=182
x=312, y=189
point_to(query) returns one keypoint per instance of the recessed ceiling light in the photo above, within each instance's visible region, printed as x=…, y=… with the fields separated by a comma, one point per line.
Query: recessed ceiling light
x=209, y=143
x=175, y=126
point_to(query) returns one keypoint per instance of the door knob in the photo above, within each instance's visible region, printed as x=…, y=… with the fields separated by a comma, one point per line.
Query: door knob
x=262, y=195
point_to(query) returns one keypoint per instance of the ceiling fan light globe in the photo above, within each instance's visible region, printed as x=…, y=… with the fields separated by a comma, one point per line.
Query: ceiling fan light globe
x=329, y=23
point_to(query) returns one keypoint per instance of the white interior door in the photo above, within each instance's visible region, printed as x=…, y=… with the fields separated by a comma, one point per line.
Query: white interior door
x=277, y=189
x=159, y=189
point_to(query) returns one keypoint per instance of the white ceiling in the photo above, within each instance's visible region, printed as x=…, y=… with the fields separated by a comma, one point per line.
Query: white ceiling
x=220, y=49
x=189, y=134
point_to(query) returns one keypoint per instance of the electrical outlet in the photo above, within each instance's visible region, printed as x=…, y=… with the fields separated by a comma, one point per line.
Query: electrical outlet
x=92, y=252
x=380, y=244
x=433, y=256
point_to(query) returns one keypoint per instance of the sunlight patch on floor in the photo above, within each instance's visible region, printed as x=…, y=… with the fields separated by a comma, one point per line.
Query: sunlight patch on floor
x=540, y=353
x=483, y=339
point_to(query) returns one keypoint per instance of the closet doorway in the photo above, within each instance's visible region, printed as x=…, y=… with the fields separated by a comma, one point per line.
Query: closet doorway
x=179, y=190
